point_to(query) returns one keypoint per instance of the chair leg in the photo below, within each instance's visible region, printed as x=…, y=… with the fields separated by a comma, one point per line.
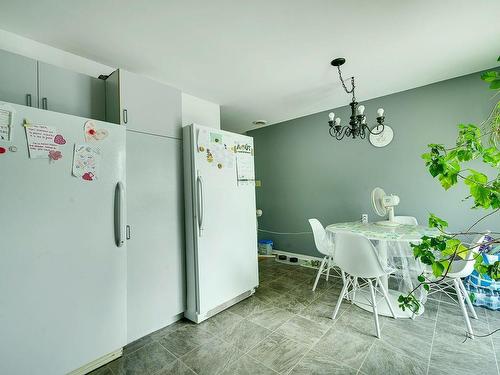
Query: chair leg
x=374, y=305
x=328, y=268
x=341, y=297
x=467, y=299
x=387, y=300
x=354, y=286
x=460, y=298
x=319, y=273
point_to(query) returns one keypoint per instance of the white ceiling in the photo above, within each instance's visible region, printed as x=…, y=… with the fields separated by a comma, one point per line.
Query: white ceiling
x=269, y=59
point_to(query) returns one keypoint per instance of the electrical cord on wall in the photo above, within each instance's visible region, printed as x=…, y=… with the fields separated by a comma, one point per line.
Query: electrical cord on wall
x=286, y=233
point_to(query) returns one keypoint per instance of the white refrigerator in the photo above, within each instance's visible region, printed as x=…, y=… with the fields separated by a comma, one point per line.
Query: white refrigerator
x=62, y=246
x=221, y=233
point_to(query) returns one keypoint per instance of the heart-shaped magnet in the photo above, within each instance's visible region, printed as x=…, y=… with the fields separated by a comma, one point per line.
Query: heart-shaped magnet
x=59, y=139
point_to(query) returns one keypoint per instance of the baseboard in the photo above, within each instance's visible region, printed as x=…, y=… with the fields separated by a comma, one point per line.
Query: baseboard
x=85, y=369
x=296, y=255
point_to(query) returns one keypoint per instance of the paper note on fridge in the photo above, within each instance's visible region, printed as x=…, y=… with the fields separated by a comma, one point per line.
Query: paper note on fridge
x=5, y=125
x=41, y=140
x=244, y=164
x=86, y=160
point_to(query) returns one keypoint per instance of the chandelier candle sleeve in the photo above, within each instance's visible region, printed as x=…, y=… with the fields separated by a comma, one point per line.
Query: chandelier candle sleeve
x=357, y=126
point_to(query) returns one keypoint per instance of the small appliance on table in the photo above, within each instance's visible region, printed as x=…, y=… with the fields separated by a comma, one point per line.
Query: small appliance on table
x=394, y=251
x=221, y=231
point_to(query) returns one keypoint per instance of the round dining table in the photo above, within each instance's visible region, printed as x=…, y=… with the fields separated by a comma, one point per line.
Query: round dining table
x=394, y=251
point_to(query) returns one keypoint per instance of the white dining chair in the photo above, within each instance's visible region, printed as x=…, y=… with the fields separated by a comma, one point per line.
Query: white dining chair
x=357, y=258
x=407, y=220
x=326, y=247
x=453, y=287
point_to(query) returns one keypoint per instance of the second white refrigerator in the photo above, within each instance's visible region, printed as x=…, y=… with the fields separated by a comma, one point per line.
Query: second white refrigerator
x=221, y=233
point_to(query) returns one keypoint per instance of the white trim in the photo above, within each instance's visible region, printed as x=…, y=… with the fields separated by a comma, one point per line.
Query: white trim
x=85, y=369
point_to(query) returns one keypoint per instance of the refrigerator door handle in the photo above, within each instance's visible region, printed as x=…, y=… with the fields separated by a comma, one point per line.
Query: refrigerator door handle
x=201, y=203
x=119, y=214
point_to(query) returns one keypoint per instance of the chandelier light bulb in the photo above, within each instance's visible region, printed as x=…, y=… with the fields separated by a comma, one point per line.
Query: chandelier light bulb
x=337, y=121
x=361, y=109
x=380, y=112
x=331, y=115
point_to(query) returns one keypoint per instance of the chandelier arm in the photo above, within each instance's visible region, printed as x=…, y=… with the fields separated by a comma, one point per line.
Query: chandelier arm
x=375, y=127
x=340, y=135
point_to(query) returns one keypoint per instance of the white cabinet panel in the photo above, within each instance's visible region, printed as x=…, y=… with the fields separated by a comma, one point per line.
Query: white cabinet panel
x=156, y=291
x=18, y=79
x=149, y=106
x=69, y=92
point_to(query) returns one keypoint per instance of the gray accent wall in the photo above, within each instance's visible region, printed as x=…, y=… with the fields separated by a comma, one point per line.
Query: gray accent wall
x=307, y=174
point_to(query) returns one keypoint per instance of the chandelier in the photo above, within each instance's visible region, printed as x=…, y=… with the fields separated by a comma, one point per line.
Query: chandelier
x=357, y=124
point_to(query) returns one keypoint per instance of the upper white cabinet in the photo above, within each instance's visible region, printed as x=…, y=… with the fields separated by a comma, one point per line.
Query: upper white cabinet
x=65, y=91
x=33, y=83
x=143, y=104
x=18, y=79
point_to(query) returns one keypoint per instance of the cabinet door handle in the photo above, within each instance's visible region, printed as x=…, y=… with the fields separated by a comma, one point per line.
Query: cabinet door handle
x=28, y=100
x=125, y=116
x=45, y=104
x=127, y=232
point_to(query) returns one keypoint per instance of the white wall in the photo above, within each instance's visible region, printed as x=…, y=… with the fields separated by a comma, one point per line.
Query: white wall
x=200, y=111
x=194, y=110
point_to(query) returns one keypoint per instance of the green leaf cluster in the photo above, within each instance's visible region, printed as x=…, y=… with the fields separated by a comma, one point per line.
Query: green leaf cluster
x=448, y=166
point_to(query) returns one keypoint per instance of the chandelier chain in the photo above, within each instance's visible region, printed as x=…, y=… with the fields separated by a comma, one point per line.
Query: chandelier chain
x=349, y=91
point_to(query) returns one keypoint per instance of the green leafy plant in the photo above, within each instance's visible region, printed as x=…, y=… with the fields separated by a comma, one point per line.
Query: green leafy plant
x=449, y=165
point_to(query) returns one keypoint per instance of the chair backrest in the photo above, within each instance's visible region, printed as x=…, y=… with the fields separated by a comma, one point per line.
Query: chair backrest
x=323, y=244
x=408, y=220
x=357, y=256
x=464, y=267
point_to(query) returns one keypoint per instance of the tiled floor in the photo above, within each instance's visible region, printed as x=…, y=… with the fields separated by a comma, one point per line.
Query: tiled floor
x=285, y=328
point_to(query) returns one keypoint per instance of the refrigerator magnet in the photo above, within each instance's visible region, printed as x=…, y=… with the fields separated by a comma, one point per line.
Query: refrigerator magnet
x=92, y=133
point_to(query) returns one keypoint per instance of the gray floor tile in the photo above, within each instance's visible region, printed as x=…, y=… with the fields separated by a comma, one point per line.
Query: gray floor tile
x=282, y=285
x=248, y=306
x=270, y=317
x=146, y=360
x=267, y=294
x=305, y=294
x=157, y=335
x=278, y=353
x=452, y=314
x=185, y=339
x=221, y=321
x=321, y=313
x=454, y=337
x=408, y=337
x=246, y=365
x=348, y=341
x=176, y=368
x=103, y=370
x=315, y=363
x=245, y=335
x=302, y=330
x=137, y=344
x=459, y=360
x=211, y=358
x=430, y=310
x=289, y=303
x=382, y=360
